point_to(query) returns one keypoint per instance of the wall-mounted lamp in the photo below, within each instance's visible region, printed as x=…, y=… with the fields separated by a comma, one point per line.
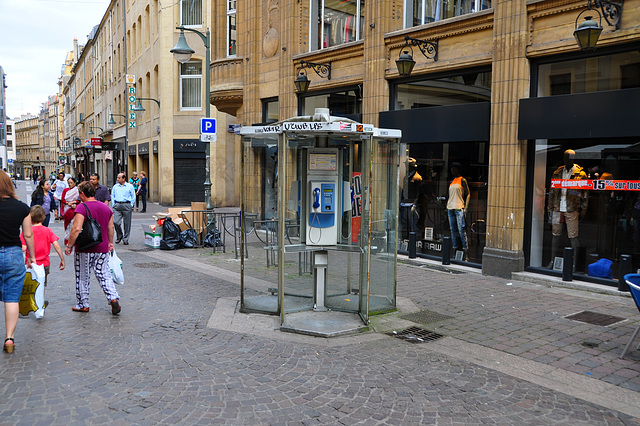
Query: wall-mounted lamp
x=140, y=108
x=91, y=133
x=302, y=81
x=588, y=32
x=405, y=62
x=111, y=121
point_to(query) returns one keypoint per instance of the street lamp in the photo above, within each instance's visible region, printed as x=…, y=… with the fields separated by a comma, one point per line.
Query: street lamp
x=111, y=121
x=182, y=53
x=91, y=133
x=140, y=108
x=125, y=154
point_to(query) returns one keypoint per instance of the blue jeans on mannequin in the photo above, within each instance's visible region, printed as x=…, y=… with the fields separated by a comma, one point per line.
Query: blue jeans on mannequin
x=458, y=229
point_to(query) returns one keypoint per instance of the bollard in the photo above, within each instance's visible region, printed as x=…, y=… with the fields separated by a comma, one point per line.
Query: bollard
x=624, y=269
x=567, y=264
x=412, y=245
x=446, y=251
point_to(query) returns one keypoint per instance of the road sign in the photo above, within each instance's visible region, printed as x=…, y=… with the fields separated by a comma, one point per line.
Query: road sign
x=208, y=137
x=207, y=125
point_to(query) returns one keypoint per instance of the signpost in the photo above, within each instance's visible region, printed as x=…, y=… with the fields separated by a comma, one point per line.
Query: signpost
x=208, y=130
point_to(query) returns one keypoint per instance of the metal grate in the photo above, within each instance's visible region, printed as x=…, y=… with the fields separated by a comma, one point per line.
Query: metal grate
x=595, y=318
x=425, y=317
x=415, y=335
x=150, y=265
x=143, y=249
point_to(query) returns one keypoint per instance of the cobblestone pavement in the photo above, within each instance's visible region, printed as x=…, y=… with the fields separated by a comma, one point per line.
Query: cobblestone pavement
x=509, y=355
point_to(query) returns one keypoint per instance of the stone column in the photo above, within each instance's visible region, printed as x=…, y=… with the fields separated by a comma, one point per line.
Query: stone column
x=503, y=252
x=375, y=89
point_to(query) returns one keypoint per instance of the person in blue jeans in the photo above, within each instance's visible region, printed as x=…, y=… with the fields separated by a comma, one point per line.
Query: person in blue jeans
x=459, y=195
x=142, y=191
x=14, y=214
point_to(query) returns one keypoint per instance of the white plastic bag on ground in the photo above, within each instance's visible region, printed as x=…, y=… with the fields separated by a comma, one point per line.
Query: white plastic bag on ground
x=32, y=298
x=115, y=264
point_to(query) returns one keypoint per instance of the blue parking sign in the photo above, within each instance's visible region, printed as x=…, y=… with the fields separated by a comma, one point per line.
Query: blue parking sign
x=207, y=125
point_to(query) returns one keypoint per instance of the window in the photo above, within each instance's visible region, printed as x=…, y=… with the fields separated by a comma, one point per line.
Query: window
x=335, y=22
x=270, y=110
x=9, y=129
x=191, y=86
x=231, y=28
x=191, y=13
x=419, y=12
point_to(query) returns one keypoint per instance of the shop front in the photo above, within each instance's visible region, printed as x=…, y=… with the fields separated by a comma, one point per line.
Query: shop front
x=583, y=155
x=445, y=121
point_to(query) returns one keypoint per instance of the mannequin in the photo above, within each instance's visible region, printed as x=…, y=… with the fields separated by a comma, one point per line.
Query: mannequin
x=570, y=204
x=459, y=195
x=410, y=212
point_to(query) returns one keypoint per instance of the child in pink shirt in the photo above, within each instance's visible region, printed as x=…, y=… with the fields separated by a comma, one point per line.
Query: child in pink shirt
x=43, y=237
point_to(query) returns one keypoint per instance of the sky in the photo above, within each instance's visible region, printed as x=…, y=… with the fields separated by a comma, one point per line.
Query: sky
x=35, y=36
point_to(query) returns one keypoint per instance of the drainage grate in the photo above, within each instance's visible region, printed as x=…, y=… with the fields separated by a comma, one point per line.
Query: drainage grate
x=425, y=317
x=416, y=335
x=142, y=249
x=150, y=265
x=595, y=318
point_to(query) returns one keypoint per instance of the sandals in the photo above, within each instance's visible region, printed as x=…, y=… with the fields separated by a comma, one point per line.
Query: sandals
x=115, y=307
x=9, y=348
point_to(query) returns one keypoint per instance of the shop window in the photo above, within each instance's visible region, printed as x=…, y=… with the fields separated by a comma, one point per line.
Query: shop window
x=191, y=13
x=334, y=22
x=594, y=74
x=419, y=12
x=231, y=28
x=191, y=86
x=346, y=102
x=450, y=90
x=601, y=218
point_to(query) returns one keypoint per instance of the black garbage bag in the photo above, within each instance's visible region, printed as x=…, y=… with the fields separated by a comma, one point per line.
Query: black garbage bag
x=170, y=236
x=189, y=238
x=212, y=239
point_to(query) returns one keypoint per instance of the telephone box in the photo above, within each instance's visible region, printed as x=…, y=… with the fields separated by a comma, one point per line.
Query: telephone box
x=325, y=257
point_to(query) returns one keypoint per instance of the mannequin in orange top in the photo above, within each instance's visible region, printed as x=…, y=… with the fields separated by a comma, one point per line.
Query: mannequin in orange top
x=459, y=195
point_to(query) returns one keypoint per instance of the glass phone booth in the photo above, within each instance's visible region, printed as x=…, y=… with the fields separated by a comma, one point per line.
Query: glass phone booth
x=325, y=260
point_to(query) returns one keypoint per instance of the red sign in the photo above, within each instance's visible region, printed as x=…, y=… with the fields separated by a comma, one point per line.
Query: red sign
x=597, y=185
x=96, y=142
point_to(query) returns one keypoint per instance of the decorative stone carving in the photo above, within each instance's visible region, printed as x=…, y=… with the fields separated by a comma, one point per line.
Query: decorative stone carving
x=271, y=40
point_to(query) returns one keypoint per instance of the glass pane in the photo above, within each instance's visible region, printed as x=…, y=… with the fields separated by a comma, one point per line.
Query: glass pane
x=599, y=221
x=260, y=271
x=232, y=35
x=339, y=21
x=610, y=72
x=191, y=68
x=192, y=12
x=191, y=92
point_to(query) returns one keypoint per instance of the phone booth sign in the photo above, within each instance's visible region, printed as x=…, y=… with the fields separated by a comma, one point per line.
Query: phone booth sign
x=330, y=245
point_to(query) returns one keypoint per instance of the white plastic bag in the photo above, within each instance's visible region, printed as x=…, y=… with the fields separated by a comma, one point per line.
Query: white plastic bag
x=32, y=298
x=115, y=264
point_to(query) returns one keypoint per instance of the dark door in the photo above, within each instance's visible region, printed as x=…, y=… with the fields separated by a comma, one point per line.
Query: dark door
x=189, y=175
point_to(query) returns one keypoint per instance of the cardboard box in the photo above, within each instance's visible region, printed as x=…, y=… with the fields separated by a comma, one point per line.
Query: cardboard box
x=175, y=212
x=198, y=205
x=152, y=238
x=181, y=224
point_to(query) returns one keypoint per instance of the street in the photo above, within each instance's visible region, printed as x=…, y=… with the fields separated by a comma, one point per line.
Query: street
x=180, y=352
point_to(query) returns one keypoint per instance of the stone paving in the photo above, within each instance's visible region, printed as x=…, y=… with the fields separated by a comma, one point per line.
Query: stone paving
x=175, y=356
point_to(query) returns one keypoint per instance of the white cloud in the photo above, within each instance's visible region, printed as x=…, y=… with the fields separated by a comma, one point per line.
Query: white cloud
x=36, y=36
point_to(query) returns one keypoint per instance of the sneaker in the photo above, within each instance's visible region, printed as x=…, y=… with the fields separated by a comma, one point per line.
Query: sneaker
x=115, y=307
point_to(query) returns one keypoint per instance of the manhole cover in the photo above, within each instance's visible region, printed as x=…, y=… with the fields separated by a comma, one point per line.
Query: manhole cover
x=595, y=318
x=150, y=265
x=142, y=249
x=425, y=317
x=415, y=335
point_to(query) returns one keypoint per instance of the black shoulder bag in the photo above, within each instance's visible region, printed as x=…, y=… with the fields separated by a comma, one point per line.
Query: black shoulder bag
x=91, y=234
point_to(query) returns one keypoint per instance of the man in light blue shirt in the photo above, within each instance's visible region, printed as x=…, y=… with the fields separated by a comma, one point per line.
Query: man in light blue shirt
x=123, y=197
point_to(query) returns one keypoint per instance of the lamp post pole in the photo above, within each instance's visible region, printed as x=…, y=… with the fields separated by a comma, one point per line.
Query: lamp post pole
x=182, y=52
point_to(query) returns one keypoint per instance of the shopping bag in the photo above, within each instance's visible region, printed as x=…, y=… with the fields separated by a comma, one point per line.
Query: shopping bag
x=115, y=264
x=32, y=298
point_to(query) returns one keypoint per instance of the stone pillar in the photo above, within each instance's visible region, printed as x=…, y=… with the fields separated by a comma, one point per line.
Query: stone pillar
x=503, y=252
x=376, y=89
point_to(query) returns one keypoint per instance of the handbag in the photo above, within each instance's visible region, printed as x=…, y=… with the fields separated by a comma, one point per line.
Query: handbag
x=91, y=234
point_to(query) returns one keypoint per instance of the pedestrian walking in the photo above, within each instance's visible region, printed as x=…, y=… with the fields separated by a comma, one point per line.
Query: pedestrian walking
x=13, y=215
x=58, y=187
x=43, y=196
x=135, y=181
x=69, y=201
x=143, y=191
x=102, y=193
x=123, y=198
x=95, y=258
x=43, y=239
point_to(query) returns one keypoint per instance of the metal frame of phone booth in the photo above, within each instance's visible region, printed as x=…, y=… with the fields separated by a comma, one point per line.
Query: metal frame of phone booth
x=337, y=184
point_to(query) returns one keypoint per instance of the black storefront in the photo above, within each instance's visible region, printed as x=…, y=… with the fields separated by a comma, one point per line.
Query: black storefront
x=188, y=171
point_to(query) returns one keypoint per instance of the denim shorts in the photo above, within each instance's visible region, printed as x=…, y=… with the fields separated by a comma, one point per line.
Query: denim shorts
x=12, y=272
